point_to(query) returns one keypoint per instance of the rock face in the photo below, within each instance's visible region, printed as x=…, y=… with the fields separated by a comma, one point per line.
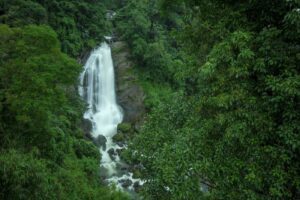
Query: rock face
x=87, y=127
x=129, y=93
x=100, y=141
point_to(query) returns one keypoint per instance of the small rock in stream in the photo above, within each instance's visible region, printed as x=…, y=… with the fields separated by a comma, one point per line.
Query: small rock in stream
x=100, y=141
x=125, y=183
x=136, y=186
x=111, y=152
x=119, y=151
x=123, y=166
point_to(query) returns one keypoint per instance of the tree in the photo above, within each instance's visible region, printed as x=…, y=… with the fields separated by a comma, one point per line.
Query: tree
x=234, y=130
x=43, y=154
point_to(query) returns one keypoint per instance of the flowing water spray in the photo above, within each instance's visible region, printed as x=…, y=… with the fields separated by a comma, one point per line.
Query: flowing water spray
x=97, y=87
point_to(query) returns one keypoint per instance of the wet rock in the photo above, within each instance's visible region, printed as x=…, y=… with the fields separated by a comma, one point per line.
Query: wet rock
x=120, y=144
x=125, y=183
x=112, y=153
x=119, y=151
x=123, y=167
x=136, y=186
x=87, y=126
x=100, y=141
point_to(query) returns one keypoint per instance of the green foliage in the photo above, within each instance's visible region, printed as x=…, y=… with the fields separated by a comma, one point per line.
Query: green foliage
x=141, y=25
x=79, y=24
x=43, y=154
x=20, y=13
x=164, y=150
x=84, y=149
x=34, y=77
x=124, y=127
x=242, y=120
x=24, y=176
x=233, y=127
x=156, y=93
x=222, y=85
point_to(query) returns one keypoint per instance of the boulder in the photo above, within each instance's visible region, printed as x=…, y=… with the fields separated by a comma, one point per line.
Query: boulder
x=136, y=186
x=119, y=151
x=123, y=167
x=120, y=144
x=87, y=126
x=125, y=182
x=112, y=153
x=100, y=141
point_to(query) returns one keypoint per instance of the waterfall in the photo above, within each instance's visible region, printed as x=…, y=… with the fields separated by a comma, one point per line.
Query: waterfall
x=97, y=87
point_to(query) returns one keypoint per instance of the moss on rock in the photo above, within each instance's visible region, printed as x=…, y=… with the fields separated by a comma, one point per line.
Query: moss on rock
x=120, y=137
x=124, y=128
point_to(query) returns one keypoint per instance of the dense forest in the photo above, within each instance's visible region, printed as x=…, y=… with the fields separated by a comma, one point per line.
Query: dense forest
x=222, y=86
x=43, y=154
x=222, y=79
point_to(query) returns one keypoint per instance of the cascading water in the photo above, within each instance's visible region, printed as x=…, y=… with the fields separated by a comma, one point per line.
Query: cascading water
x=97, y=87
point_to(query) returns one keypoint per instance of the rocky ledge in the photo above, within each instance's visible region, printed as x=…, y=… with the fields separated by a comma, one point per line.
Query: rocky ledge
x=130, y=95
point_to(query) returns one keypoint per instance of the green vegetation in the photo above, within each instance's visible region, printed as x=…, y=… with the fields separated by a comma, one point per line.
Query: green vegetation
x=231, y=123
x=43, y=154
x=124, y=127
x=79, y=24
x=222, y=84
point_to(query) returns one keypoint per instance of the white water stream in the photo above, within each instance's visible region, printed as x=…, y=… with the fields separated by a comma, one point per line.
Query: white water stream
x=97, y=87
